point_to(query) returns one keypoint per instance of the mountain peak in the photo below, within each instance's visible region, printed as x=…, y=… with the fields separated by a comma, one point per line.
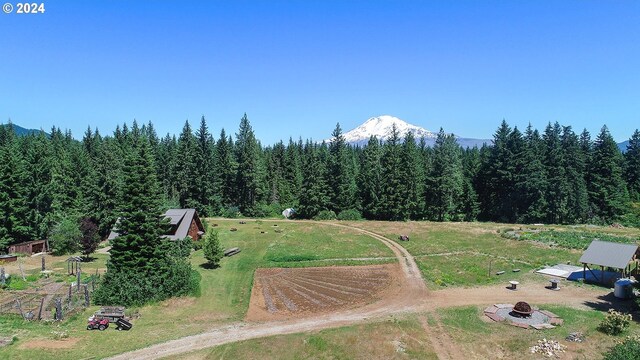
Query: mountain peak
x=381, y=127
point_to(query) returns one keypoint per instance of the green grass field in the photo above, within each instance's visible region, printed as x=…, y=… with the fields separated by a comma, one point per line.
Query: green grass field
x=401, y=338
x=448, y=254
x=225, y=291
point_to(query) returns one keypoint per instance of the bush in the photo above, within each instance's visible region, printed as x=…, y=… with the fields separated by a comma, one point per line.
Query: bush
x=628, y=349
x=65, y=236
x=138, y=287
x=351, y=214
x=231, y=212
x=325, y=215
x=265, y=210
x=212, y=248
x=197, y=245
x=615, y=323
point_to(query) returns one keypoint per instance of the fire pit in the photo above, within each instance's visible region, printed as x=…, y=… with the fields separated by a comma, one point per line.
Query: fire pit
x=522, y=309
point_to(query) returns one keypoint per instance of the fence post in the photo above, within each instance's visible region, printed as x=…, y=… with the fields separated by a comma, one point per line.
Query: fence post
x=43, y=263
x=86, y=295
x=78, y=282
x=40, y=310
x=70, y=286
x=58, y=309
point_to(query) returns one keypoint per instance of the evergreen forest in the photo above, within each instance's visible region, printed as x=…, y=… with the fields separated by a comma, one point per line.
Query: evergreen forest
x=551, y=176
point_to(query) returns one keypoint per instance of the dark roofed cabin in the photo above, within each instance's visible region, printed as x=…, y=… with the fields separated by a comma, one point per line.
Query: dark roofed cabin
x=184, y=222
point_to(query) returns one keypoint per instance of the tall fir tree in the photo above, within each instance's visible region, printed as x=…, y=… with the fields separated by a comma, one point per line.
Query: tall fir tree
x=531, y=180
x=340, y=174
x=446, y=179
x=632, y=166
x=142, y=267
x=608, y=192
x=574, y=165
x=225, y=169
x=393, y=188
x=13, y=202
x=314, y=195
x=250, y=171
x=370, y=180
x=188, y=175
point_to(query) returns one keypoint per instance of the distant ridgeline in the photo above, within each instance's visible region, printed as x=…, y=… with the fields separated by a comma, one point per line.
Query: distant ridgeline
x=530, y=176
x=20, y=131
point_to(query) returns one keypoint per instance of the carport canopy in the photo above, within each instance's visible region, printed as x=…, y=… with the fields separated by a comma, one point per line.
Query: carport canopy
x=609, y=254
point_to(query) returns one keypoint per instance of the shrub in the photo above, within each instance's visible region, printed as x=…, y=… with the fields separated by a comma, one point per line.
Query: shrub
x=212, y=248
x=351, y=214
x=197, y=245
x=231, y=212
x=141, y=286
x=615, y=323
x=65, y=236
x=266, y=210
x=325, y=215
x=628, y=349
x=89, y=239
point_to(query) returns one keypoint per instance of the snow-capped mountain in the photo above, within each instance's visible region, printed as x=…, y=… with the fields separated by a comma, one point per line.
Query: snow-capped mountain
x=380, y=127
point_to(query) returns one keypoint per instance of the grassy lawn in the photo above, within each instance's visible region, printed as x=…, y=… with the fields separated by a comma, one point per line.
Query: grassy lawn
x=225, y=291
x=459, y=254
x=485, y=339
x=401, y=338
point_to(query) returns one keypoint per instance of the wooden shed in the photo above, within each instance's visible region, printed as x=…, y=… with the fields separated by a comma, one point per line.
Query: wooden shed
x=29, y=247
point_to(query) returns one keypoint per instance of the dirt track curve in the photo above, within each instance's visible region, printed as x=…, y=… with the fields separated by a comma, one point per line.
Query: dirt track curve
x=414, y=297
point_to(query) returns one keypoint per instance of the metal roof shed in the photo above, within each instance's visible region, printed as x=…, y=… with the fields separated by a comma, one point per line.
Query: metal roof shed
x=610, y=255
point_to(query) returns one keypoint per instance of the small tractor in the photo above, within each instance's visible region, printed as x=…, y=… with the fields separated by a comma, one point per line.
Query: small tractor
x=106, y=315
x=95, y=323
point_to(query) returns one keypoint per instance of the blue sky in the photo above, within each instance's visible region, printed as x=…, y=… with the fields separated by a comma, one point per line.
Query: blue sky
x=298, y=67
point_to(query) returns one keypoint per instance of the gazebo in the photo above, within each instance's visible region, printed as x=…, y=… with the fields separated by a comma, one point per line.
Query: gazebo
x=74, y=260
x=609, y=255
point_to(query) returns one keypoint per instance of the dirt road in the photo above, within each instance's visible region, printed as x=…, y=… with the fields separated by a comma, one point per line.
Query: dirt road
x=413, y=298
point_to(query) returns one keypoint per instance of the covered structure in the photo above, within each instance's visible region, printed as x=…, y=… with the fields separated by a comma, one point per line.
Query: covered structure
x=29, y=247
x=183, y=223
x=609, y=255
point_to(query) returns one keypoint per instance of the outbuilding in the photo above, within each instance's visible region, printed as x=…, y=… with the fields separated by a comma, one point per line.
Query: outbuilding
x=184, y=223
x=29, y=247
x=622, y=258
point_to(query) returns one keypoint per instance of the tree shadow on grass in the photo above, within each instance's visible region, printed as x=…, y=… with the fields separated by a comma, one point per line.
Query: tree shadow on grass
x=209, y=266
x=86, y=259
x=609, y=301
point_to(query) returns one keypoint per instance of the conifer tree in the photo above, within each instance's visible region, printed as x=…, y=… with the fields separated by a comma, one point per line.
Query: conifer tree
x=293, y=172
x=370, y=180
x=314, y=193
x=225, y=169
x=574, y=168
x=13, y=203
x=393, y=189
x=608, y=191
x=188, y=175
x=498, y=174
x=557, y=186
x=446, y=179
x=531, y=181
x=632, y=166
x=250, y=172
x=143, y=267
x=413, y=178
x=340, y=174
x=205, y=181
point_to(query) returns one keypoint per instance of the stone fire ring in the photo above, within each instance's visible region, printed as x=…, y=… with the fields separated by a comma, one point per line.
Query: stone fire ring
x=539, y=319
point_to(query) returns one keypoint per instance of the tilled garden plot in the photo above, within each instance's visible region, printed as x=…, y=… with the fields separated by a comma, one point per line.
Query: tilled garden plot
x=283, y=292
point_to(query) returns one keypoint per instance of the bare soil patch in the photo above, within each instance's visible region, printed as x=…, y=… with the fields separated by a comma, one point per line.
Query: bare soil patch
x=282, y=293
x=50, y=344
